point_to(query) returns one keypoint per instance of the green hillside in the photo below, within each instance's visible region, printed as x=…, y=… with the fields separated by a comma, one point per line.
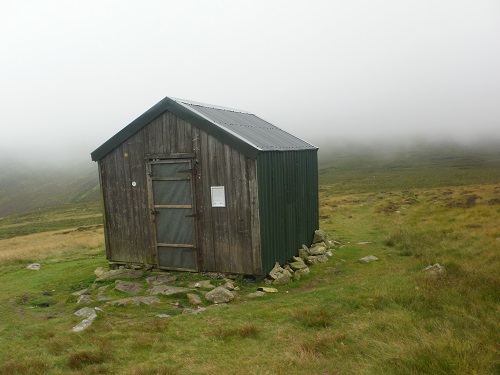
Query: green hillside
x=26, y=187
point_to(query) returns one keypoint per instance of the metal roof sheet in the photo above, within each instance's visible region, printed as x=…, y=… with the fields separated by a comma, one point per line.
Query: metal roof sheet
x=242, y=130
x=250, y=128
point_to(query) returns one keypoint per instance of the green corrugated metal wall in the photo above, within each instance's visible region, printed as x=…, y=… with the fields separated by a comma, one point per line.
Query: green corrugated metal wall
x=288, y=203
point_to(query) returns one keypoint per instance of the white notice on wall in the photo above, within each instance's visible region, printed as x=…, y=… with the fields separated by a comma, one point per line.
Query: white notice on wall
x=218, y=196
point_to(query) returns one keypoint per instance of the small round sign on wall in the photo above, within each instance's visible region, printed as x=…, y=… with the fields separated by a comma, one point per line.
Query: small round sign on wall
x=134, y=184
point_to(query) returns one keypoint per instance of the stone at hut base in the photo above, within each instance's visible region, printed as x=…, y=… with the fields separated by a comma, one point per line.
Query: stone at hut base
x=322, y=258
x=276, y=271
x=311, y=260
x=303, y=271
x=298, y=265
x=304, y=252
x=284, y=278
x=317, y=250
x=320, y=236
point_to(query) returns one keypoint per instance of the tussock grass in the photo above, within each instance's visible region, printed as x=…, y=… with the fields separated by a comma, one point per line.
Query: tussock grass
x=84, y=358
x=244, y=332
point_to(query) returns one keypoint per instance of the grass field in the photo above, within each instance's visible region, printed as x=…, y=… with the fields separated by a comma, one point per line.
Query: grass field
x=346, y=317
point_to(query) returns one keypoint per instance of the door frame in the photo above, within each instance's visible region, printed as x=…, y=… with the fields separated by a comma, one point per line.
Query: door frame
x=190, y=160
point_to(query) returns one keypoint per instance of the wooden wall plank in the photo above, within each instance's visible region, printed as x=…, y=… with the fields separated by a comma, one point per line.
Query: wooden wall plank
x=206, y=239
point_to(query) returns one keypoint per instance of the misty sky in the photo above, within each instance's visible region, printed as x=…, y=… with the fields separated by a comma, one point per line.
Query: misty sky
x=73, y=73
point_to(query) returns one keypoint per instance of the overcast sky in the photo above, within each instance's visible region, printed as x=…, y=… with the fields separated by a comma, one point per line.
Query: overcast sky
x=73, y=73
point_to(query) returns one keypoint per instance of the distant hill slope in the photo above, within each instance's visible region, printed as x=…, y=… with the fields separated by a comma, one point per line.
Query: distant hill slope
x=24, y=187
x=357, y=169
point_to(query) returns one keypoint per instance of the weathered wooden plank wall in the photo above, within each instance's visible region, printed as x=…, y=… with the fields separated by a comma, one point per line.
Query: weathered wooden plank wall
x=228, y=236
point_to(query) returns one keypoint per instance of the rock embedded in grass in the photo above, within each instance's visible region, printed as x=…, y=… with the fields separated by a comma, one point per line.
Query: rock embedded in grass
x=137, y=301
x=194, y=311
x=89, y=314
x=435, y=269
x=256, y=294
x=268, y=290
x=160, y=280
x=167, y=290
x=99, y=271
x=219, y=295
x=84, y=300
x=194, y=299
x=368, y=259
x=120, y=274
x=128, y=287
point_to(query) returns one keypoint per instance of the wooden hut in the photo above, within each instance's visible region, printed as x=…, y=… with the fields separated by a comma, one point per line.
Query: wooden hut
x=197, y=187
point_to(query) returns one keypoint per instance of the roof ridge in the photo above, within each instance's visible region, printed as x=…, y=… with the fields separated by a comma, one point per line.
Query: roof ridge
x=213, y=106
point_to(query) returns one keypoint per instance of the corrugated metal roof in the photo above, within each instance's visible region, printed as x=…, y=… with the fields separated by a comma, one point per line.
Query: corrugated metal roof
x=250, y=128
x=242, y=130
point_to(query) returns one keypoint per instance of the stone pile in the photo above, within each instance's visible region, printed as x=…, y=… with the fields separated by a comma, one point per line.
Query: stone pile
x=298, y=265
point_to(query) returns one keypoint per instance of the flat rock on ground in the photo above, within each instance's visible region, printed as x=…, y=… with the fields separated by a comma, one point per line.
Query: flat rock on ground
x=160, y=280
x=193, y=311
x=137, y=301
x=89, y=314
x=129, y=287
x=84, y=299
x=120, y=274
x=219, y=295
x=256, y=294
x=167, y=290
